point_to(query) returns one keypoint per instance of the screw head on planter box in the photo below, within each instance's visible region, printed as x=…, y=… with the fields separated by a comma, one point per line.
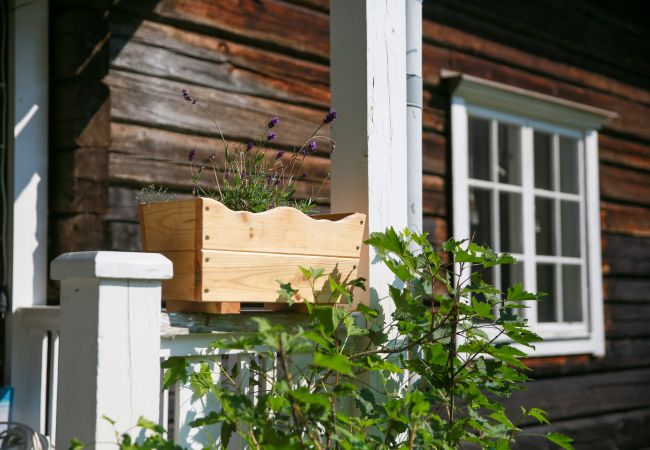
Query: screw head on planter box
x=220, y=255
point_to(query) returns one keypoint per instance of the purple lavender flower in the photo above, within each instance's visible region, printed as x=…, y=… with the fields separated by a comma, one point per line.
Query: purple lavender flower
x=312, y=146
x=330, y=116
x=250, y=145
x=187, y=96
x=274, y=122
x=192, y=155
x=280, y=154
x=303, y=176
x=271, y=136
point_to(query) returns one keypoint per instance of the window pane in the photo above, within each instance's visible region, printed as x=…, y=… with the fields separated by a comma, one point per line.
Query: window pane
x=569, y=173
x=510, y=222
x=544, y=226
x=480, y=163
x=571, y=293
x=570, y=221
x=480, y=216
x=546, y=283
x=509, y=154
x=543, y=146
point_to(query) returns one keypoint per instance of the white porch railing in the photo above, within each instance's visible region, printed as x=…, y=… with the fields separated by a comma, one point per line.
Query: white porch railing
x=113, y=338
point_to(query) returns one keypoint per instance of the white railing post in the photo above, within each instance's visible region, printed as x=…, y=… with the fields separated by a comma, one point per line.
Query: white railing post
x=369, y=166
x=109, y=358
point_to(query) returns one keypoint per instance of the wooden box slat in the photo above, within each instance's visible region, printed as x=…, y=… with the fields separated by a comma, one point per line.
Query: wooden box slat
x=253, y=277
x=220, y=255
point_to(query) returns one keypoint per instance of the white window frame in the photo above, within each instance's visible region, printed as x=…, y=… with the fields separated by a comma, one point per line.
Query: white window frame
x=531, y=111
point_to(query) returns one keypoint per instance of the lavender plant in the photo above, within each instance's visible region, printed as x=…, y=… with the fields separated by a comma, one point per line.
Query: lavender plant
x=255, y=177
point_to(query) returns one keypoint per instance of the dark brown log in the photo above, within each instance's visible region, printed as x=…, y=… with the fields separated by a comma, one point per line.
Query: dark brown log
x=124, y=236
x=433, y=196
x=627, y=320
x=219, y=50
x=591, y=394
x=626, y=255
x=271, y=22
x=573, y=36
x=620, y=430
x=623, y=152
x=617, y=183
x=627, y=289
x=624, y=219
x=86, y=47
x=85, y=132
x=79, y=232
x=141, y=99
x=437, y=229
x=159, y=62
x=449, y=37
x=633, y=117
x=434, y=153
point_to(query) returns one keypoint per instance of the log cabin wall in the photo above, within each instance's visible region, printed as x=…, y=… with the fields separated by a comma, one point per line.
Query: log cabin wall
x=119, y=124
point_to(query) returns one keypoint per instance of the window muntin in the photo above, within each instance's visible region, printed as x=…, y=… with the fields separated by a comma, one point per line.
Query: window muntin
x=517, y=168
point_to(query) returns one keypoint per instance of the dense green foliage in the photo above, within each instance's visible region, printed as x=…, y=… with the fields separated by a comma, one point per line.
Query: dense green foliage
x=427, y=372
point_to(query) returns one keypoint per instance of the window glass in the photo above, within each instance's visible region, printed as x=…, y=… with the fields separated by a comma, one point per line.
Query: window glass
x=510, y=222
x=543, y=149
x=481, y=216
x=571, y=293
x=570, y=228
x=509, y=154
x=480, y=162
x=544, y=226
x=546, y=283
x=569, y=170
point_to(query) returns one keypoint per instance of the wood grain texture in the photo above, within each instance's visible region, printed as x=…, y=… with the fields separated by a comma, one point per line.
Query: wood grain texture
x=280, y=230
x=169, y=226
x=255, y=277
x=236, y=256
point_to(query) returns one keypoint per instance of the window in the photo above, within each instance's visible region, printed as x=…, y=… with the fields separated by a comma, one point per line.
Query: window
x=525, y=182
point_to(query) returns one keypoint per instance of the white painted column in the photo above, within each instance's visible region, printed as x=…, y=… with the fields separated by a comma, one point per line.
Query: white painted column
x=109, y=357
x=26, y=223
x=368, y=67
x=414, y=111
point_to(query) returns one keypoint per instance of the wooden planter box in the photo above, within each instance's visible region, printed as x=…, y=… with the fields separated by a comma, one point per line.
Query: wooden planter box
x=220, y=255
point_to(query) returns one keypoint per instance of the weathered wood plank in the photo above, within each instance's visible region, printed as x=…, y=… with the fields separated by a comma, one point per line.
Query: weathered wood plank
x=437, y=229
x=159, y=62
x=565, y=397
x=623, y=152
x=576, y=38
x=442, y=35
x=79, y=232
x=207, y=47
x=434, y=153
x=620, y=354
x=626, y=255
x=141, y=99
x=298, y=29
x=621, y=430
x=139, y=172
x=633, y=117
x=123, y=236
x=617, y=183
x=627, y=320
x=625, y=219
x=627, y=289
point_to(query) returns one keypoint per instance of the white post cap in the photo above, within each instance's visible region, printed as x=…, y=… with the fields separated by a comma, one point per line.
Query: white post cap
x=120, y=265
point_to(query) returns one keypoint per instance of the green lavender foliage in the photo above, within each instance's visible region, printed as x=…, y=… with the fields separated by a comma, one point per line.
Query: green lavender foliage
x=256, y=177
x=432, y=375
